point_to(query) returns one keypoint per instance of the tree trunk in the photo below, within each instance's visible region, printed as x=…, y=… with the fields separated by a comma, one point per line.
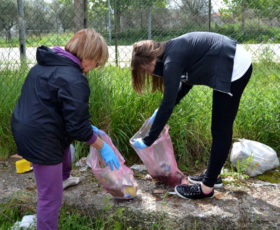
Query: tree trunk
x=118, y=21
x=8, y=34
x=80, y=14
x=150, y=23
x=22, y=48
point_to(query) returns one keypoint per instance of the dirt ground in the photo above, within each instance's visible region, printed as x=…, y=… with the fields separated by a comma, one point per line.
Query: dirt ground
x=248, y=204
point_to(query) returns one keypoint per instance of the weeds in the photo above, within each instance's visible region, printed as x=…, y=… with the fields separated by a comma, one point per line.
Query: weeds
x=11, y=212
x=117, y=109
x=70, y=217
x=241, y=169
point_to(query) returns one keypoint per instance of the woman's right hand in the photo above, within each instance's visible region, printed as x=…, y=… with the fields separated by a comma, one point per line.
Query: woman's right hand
x=138, y=143
x=97, y=131
x=109, y=156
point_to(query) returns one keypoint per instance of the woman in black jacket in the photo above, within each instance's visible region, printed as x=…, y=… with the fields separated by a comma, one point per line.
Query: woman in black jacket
x=197, y=58
x=52, y=111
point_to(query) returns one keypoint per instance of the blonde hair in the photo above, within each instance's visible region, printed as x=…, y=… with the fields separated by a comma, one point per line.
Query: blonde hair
x=144, y=52
x=88, y=44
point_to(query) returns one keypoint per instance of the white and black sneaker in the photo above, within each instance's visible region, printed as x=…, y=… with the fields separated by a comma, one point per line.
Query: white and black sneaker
x=197, y=179
x=192, y=192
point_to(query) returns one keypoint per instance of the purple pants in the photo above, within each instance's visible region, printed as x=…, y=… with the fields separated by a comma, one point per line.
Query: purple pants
x=49, y=180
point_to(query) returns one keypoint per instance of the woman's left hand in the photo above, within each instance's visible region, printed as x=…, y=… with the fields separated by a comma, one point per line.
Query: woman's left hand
x=138, y=143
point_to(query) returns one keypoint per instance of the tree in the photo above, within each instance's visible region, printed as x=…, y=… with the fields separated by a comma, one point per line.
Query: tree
x=38, y=17
x=98, y=14
x=263, y=8
x=149, y=5
x=66, y=16
x=8, y=16
x=64, y=12
x=195, y=7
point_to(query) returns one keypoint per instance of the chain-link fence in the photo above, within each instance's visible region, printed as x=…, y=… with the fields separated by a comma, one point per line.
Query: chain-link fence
x=28, y=24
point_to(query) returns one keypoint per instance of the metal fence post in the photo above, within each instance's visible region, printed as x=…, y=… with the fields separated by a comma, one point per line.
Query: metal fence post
x=109, y=22
x=209, y=15
x=22, y=48
x=85, y=13
x=80, y=14
x=116, y=32
x=150, y=23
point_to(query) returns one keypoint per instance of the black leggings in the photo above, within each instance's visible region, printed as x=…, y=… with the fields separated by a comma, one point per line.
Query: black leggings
x=224, y=110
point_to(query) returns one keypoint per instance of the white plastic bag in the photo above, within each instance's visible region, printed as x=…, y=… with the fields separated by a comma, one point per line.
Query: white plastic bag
x=255, y=156
x=27, y=222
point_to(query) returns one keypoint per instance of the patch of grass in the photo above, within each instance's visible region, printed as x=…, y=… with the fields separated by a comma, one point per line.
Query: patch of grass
x=233, y=177
x=78, y=218
x=34, y=40
x=10, y=87
x=11, y=212
x=272, y=176
x=71, y=218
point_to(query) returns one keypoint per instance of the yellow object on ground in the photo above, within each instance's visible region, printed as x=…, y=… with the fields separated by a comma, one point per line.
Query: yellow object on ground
x=130, y=190
x=23, y=166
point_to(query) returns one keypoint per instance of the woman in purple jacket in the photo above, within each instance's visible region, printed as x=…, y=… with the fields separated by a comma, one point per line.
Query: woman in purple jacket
x=197, y=58
x=52, y=111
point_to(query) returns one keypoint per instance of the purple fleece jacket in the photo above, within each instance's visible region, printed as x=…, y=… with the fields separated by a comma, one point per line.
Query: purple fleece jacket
x=65, y=53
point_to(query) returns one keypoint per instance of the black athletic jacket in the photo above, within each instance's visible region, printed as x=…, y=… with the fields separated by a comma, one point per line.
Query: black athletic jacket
x=52, y=110
x=201, y=58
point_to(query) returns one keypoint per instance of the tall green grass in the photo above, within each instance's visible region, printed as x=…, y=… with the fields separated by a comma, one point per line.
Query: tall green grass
x=10, y=87
x=117, y=109
x=70, y=218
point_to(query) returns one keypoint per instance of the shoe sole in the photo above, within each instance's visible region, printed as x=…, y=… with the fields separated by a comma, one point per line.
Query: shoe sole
x=71, y=183
x=186, y=198
x=199, y=182
x=178, y=194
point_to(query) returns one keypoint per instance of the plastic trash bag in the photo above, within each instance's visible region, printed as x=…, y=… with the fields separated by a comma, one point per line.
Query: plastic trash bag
x=27, y=222
x=159, y=158
x=119, y=183
x=73, y=153
x=258, y=157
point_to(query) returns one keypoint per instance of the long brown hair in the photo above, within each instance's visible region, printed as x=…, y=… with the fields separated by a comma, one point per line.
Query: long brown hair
x=144, y=52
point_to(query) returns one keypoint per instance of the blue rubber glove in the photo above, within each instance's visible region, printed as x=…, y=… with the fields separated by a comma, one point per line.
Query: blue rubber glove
x=97, y=131
x=109, y=156
x=138, y=143
x=152, y=118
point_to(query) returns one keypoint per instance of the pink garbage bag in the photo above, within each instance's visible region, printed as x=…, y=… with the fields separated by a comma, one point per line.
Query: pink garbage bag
x=159, y=158
x=119, y=183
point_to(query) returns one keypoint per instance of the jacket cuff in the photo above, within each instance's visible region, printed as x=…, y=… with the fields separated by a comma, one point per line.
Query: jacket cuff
x=92, y=139
x=147, y=141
